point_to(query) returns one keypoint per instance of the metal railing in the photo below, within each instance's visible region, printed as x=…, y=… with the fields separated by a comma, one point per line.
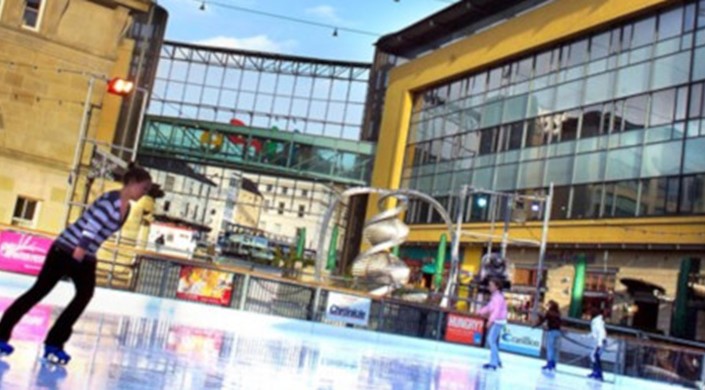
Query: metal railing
x=630, y=352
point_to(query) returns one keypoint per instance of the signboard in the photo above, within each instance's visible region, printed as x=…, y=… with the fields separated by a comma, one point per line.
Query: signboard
x=348, y=308
x=171, y=240
x=521, y=339
x=205, y=285
x=465, y=329
x=23, y=252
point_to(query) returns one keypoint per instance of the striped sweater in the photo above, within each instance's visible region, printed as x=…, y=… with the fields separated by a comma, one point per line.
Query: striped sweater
x=97, y=223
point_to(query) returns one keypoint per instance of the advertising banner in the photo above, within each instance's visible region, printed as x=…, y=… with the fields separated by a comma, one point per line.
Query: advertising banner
x=521, y=339
x=205, y=285
x=348, y=308
x=23, y=252
x=465, y=329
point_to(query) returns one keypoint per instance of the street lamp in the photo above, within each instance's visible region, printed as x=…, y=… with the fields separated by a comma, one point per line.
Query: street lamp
x=119, y=86
x=123, y=87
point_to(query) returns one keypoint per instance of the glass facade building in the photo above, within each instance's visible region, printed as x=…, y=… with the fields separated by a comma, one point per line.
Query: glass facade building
x=615, y=119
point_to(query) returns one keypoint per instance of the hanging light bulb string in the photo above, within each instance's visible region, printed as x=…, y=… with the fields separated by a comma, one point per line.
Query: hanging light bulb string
x=336, y=29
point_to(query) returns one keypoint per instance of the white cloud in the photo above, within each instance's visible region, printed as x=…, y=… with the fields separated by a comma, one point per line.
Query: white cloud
x=258, y=43
x=325, y=12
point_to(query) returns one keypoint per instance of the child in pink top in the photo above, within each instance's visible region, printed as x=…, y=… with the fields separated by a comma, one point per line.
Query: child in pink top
x=496, y=310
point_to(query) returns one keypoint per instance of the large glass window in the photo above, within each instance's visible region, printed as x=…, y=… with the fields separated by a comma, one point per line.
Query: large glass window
x=561, y=198
x=694, y=161
x=600, y=46
x=586, y=201
x=569, y=95
x=621, y=198
x=670, y=23
x=634, y=113
x=699, y=64
x=662, y=107
x=623, y=163
x=693, y=194
x=643, y=32
x=671, y=70
x=592, y=118
x=589, y=167
x=633, y=79
x=568, y=126
x=515, y=108
x=599, y=88
x=531, y=174
x=559, y=170
x=662, y=159
x=659, y=196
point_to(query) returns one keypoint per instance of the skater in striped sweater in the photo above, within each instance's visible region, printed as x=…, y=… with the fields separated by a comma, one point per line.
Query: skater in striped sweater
x=73, y=254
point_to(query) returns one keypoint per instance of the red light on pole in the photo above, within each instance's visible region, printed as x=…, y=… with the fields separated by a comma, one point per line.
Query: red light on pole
x=120, y=87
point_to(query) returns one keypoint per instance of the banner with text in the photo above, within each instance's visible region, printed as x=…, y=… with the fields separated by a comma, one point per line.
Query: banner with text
x=465, y=329
x=205, y=285
x=521, y=339
x=23, y=252
x=348, y=308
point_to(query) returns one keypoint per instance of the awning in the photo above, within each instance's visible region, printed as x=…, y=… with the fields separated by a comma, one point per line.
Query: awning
x=640, y=286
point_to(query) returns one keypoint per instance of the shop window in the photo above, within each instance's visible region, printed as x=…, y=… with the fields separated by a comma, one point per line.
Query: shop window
x=599, y=290
x=526, y=277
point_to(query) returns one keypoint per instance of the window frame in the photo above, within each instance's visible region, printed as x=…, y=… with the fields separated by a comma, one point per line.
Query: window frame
x=40, y=16
x=21, y=220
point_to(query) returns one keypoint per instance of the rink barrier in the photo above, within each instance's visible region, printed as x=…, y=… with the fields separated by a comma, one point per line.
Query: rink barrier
x=629, y=353
x=641, y=354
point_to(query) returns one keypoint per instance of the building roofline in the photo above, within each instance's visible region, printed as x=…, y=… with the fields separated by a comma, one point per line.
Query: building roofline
x=447, y=21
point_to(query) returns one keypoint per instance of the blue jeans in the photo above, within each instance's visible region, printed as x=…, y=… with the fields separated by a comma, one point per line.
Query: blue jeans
x=552, y=339
x=493, y=342
x=596, y=363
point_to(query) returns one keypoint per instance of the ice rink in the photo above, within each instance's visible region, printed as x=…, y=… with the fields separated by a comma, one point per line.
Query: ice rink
x=132, y=341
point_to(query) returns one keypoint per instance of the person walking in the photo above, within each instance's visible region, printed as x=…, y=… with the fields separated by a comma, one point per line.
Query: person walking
x=496, y=311
x=73, y=254
x=553, y=333
x=599, y=335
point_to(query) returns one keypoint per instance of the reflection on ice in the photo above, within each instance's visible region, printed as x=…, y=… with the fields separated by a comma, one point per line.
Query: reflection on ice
x=177, y=348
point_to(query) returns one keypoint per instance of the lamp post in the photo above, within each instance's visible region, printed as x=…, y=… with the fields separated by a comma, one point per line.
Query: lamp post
x=140, y=120
x=82, y=130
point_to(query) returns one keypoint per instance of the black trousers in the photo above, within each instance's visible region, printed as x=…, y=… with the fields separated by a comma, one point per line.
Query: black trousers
x=58, y=263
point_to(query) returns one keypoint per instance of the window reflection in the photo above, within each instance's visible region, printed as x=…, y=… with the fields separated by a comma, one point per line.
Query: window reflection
x=603, y=117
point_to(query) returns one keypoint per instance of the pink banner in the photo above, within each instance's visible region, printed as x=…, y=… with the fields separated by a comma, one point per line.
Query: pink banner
x=22, y=252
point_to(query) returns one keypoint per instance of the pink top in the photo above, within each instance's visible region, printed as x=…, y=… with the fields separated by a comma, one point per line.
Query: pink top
x=497, y=308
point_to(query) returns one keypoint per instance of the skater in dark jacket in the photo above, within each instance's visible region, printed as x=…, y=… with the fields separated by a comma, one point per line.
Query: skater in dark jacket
x=553, y=319
x=73, y=254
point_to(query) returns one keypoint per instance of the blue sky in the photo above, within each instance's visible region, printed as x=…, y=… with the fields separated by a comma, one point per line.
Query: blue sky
x=225, y=27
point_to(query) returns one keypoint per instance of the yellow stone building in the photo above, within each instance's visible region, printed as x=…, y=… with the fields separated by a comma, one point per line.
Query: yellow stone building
x=49, y=52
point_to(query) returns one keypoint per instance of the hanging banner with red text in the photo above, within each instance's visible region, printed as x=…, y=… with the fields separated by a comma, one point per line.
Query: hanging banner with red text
x=465, y=329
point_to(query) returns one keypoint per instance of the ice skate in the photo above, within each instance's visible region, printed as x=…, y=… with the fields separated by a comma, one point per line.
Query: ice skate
x=55, y=355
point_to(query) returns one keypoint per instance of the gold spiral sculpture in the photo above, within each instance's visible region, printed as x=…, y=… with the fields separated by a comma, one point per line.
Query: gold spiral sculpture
x=384, y=231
